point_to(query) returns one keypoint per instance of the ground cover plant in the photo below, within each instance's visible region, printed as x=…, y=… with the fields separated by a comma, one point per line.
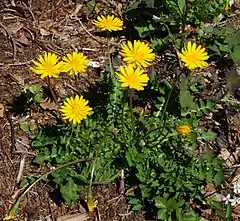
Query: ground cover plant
x=144, y=129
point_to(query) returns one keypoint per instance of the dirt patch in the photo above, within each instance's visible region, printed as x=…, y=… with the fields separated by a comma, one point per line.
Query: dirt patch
x=27, y=30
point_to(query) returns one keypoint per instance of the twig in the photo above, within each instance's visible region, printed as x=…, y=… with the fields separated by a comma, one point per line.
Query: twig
x=88, y=49
x=15, y=206
x=25, y=152
x=126, y=214
x=98, y=214
x=11, y=39
x=80, y=22
x=21, y=167
x=13, y=140
x=228, y=100
x=16, y=64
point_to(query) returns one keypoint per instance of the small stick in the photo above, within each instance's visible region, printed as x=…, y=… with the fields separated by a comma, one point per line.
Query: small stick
x=11, y=39
x=16, y=64
x=21, y=167
x=80, y=22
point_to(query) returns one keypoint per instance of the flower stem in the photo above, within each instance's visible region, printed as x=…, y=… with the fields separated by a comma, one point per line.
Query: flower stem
x=131, y=106
x=52, y=92
x=122, y=120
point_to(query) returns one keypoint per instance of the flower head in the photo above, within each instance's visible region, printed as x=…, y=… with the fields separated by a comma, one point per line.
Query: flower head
x=109, y=23
x=184, y=130
x=75, y=109
x=138, y=53
x=47, y=65
x=132, y=77
x=75, y=63
x=234, y=201
x=193, y=56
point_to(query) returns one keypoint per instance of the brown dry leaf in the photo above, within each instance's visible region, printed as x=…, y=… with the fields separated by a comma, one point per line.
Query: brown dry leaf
x=5, y=67
x=207, y=212
x=75, y=217
x=47, y=24
x=15, y=27
x=44, y=32
x=236, y=210
x=23, y=39
x=1, y=110
x=209, y=188
x=48, y=106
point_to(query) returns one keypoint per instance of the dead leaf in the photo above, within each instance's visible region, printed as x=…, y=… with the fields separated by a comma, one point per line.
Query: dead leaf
x=23, y=39
x=1, y=110
x=15, y=27
x=75, y=217
x=207, y=212
x=44, y=32
x=47, y=24
x=48, y=106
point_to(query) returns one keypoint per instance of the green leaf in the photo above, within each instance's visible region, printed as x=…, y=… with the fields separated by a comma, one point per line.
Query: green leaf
x=172, y=205
x=162, y=214
x=160, y=202
x=179, y=214
x=229, y=211
x=182, y=6
x=207, y=135
x=236, y=54
x=69, y=191
x=91, y=5
x=133, y=201
x=24, y=126
x=219, y=178
x=186, y=100
x=137, y=207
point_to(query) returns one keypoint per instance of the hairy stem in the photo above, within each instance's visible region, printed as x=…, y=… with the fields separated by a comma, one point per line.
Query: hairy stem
x=131, y=106
x=52, y=92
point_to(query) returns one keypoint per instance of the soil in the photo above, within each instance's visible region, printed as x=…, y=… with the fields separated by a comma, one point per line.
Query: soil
x=27, y=28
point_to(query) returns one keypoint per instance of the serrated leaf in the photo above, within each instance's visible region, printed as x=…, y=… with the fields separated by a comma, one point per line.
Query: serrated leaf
x=186, y=100
x=172, y=205
x=137, y=207
x=162, y=214
x=160, y=202
x=179, y=214
x=69, y=191
x=133, y=201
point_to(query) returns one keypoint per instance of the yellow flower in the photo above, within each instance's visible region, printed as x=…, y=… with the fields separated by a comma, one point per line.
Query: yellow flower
x=184, y=130
x=47, y=65
x=109, y=23
x=75, y=63
x=138, y=53
x=75, y=109
x=132, y=77
x=193, y=56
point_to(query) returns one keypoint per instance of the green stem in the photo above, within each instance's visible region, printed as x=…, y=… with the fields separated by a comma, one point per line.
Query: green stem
x=166, y=103
x=52, y=92
x=122, y=119
x=131, y=106
x=109, y=56
x=77, y=82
